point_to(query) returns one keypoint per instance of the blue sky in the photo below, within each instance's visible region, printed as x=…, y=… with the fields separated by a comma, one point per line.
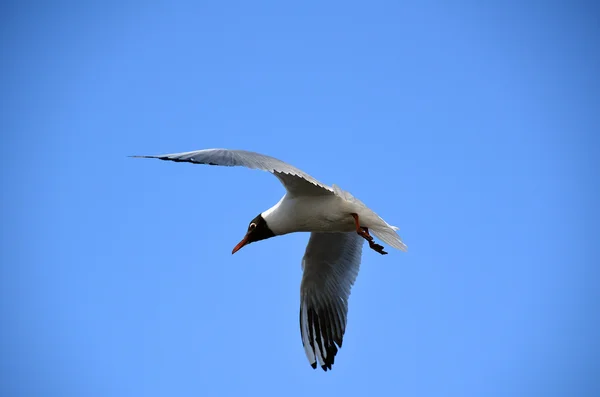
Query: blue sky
x=472, y=127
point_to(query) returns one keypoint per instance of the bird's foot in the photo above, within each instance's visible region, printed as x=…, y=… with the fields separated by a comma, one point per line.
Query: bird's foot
x=377, y=248
x=364, y=233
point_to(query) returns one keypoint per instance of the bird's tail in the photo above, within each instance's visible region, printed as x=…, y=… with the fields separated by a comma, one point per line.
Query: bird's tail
x=382, y=230
x=389, y=236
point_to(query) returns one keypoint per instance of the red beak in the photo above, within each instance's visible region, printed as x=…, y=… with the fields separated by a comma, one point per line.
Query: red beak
x=240, y=245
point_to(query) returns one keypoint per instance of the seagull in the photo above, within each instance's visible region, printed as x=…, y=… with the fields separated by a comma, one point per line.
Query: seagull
x=338, y=224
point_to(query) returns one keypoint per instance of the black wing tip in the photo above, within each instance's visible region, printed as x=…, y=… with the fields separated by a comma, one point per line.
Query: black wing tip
x=329, y=361
x=326, y=342
x=331, y=352
x=166, y=158
x=327, y=366
x=148, y=157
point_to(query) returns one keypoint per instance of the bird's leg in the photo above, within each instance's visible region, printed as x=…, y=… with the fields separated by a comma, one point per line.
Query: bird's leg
x=364, y=233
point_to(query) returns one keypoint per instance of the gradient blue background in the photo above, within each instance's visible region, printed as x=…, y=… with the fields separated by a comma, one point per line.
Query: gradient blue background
x=472, y=127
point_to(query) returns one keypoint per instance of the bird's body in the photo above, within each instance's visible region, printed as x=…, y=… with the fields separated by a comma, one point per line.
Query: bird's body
x=310, y=214
x=329, y=213
x=339, y=224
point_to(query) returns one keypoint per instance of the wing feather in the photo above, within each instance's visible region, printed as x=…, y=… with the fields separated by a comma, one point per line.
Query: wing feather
x=331, y=263
x=295, y=181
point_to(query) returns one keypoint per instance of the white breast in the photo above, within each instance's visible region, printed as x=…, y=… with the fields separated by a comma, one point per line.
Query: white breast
x=310, y=214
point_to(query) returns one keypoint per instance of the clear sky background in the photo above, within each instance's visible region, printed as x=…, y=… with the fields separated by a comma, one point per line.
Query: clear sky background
x=472, y=127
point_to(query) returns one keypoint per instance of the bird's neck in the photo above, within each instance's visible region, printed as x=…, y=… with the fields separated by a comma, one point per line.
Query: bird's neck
x=277, y=218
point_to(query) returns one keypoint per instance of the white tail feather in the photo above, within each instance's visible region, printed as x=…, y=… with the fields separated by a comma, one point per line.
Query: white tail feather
x=389, y=236
x=384, y=231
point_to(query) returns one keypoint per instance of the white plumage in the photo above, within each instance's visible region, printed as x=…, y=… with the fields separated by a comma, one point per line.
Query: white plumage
x=339, y=223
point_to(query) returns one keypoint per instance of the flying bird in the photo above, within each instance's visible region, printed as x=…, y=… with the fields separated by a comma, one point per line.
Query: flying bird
x=338, y=224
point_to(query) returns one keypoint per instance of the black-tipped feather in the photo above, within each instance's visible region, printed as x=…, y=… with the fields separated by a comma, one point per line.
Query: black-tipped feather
x=323, y=335
x=295, y=181
x=318, y=334
x=330, y=264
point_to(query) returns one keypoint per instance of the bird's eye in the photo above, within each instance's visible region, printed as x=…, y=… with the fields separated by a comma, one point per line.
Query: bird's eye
x=252, y=226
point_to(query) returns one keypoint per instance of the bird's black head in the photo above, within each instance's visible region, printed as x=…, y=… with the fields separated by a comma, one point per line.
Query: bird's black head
x=257, y=230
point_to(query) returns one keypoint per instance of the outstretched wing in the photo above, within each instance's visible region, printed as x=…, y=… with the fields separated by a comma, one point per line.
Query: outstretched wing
x=331, y=263
x=296, y=182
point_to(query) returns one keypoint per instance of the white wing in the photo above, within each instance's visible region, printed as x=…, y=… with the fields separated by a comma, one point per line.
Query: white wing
x=331, y=263
x=296, y=182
